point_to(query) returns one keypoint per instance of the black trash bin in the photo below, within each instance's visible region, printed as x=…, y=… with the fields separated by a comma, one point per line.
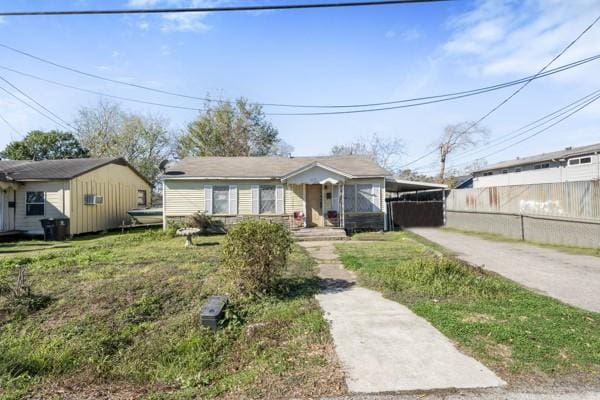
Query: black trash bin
x=55, y=228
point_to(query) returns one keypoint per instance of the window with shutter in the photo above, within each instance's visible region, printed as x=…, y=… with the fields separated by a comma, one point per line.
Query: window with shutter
x=220, y=199
x=267, y=199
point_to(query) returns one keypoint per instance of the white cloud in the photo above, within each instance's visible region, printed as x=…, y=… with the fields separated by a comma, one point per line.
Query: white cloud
x=2, y=20
x=176, y=22
x=517, y=38
x=143, y=25
x=406, y=36
x=185, y=22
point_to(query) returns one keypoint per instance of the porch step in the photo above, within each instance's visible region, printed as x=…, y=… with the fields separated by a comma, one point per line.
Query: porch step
x=319, y=234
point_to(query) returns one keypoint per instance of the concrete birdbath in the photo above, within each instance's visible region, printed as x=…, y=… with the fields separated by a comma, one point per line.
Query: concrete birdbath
x=187, y=232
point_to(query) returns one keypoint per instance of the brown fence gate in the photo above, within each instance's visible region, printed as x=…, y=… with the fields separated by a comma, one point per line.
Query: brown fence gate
x=406, y=214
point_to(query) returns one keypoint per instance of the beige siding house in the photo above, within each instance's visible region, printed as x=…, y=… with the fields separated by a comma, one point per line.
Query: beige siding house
x=330, y=191
x=95, y=194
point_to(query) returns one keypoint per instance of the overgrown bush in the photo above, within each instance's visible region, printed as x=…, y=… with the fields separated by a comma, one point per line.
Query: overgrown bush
x=254, y=254
x=172, y=227
x=200, y=220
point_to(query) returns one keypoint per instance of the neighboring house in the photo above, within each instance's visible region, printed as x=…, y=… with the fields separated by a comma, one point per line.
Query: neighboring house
x=328, y=191
x=568, y=165
x=94, y=194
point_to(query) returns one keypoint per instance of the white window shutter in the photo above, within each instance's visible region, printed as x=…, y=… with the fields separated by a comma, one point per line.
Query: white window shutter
x=335, y=195
x=279, y=199
x=208, y=199
x=233, y=200
x=255, y=200
x=376, y=197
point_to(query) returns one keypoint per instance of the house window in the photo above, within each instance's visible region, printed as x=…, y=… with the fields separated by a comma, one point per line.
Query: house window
x=34, y=203
x=267, y=199
x=349, y=198
x=578, y=161
x=88, y=199
x=519, y=169
x=488, y=173
x=364, y=198
x=221, y=200
x=505, y=171
x=141, y=198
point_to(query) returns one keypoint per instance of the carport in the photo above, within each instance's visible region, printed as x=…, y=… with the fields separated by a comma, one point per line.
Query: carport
x=413, y=203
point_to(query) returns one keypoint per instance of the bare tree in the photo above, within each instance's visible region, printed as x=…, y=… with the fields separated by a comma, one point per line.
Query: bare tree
x=107, y=130
x=385, y=151
x=456, y=137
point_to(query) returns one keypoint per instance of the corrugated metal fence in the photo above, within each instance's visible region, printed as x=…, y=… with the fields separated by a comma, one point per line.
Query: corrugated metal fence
x=560, y=213
x=570, y=200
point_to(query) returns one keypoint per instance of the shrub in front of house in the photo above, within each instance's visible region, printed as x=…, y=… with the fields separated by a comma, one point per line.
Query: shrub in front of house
x=201, y=221
x=254, y=255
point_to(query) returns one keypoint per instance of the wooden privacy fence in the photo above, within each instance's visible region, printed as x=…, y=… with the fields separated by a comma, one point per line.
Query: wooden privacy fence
x=407, y=214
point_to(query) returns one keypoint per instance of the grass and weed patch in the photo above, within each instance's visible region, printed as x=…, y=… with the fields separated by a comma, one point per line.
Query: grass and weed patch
x=123, y=321
x=515, y=331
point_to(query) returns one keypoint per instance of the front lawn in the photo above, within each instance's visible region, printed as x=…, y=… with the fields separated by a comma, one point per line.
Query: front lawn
x=520, y=334
x=120, y=320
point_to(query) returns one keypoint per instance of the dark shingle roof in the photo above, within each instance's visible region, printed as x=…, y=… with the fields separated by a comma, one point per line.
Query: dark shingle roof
x=54, y=169
x=555, y=155
x=270, y=167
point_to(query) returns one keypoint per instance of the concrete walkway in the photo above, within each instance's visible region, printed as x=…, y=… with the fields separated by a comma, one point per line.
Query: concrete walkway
x=382, y=345
x=571, y=278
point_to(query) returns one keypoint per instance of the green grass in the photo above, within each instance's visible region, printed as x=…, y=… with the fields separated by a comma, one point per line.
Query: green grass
x=518, y=333
x=589, y=251
x=122, y=319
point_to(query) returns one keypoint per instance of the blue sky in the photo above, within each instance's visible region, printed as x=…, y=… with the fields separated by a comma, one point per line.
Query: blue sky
x=336, y=56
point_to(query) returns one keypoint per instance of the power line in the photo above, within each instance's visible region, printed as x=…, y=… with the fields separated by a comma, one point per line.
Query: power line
x=101, y=93
x=205, y=99
x=503, y=102
x=546, y=128
x=274, y=7
x=32, y=107
x=11, y=126
x=36, y=102
x=522, y=130
x=570, y=109
x=434, y=99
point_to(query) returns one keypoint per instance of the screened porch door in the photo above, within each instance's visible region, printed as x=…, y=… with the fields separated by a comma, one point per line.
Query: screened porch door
x=314, y=205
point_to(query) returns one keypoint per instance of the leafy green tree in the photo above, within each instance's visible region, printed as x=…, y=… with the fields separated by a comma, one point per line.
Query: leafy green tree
x=40, y=145
x=231, y=129
x=109, y=131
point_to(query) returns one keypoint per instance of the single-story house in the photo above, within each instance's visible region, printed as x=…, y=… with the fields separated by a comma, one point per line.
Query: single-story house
x=329, y=191
x=94, y=193
x=568, y=165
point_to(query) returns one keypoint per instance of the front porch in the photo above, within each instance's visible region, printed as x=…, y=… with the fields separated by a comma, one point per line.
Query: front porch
x=326, y=198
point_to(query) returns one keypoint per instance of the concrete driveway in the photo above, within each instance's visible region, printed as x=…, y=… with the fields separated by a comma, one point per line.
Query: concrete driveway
x=571, y=278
